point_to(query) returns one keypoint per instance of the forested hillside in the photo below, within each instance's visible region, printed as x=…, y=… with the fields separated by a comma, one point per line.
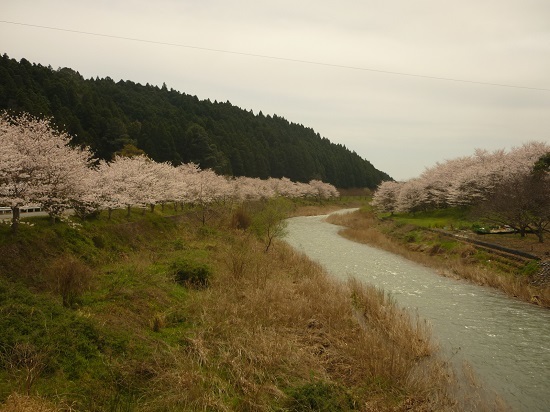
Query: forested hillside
x=169, y=125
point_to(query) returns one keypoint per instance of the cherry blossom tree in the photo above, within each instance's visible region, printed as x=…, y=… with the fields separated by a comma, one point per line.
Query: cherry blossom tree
x=285, y=187
x=411, y=197
x=523, y=158
x=322, y=190
x=384, y=199
x=207, y=188
x=436, y=182
x=162, y=178
x=88, y=201
x=251, y=189
x=38, y=165
x=478, y=179
x=464, y=181
x=128, y=181
x=16, y=171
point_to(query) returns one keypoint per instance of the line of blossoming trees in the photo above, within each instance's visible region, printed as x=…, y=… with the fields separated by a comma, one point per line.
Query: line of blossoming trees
x=505, y=184
x=39, y=166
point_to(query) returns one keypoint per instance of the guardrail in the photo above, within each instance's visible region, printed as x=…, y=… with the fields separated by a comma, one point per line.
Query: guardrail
x=22, y=209
x=487, y=245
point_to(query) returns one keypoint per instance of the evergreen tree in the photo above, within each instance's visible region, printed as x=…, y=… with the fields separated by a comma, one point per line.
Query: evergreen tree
x=172, y=126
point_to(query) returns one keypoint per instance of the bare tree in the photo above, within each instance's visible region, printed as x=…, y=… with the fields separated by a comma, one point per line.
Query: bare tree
x=521, y=202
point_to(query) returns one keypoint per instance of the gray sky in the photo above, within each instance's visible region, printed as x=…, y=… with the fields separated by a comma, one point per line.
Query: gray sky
x=400, y=123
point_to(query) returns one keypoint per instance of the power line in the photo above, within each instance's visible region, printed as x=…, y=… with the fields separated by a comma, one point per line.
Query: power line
x=263, y=56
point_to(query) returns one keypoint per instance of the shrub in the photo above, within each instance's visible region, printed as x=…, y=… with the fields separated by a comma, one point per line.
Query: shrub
x=158, y=322
x=178, y=244
x=241, y=219
x=531, y=268
x=270, y=222
x=24, y=362
x=70, y=277
x=99, y=241
x=191, y=274
x=412, y=237
x=319, y=396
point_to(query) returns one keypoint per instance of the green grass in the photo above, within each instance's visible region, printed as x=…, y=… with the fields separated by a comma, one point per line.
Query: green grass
x=451, y=219
x=46, y=347
x=320, y=396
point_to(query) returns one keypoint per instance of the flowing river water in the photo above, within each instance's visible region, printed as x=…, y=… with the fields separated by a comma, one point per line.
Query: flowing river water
x=507, y=342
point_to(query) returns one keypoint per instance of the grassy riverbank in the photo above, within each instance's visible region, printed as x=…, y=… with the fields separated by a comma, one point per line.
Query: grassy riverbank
x=412, y=236
x=161, y=313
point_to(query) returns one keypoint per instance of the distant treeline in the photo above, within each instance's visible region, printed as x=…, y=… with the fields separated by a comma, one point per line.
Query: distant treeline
x=172, y=126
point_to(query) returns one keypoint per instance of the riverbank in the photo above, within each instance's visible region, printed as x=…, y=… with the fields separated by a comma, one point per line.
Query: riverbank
x=158, y=312
x=451, y=257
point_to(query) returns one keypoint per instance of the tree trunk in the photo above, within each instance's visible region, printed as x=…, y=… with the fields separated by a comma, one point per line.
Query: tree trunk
x=522, y=232
x=129, y=209
x=540, y=233
x=16, y=214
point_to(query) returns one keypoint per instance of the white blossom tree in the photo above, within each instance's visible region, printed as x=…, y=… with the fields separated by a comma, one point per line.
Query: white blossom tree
x=128, y=181
x=206, y=188
x=384, y=199
x=463, y=181
x=38, y=165
x=185, y=174
x=87, y=200
x=322, y=190
x=246, y=189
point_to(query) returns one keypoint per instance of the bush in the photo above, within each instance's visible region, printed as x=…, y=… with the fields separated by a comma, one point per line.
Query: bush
x=531, y=268
x=270, y=222
x=320, y=396
x=241, y=219
x=191, y=274
x=70, y=277
x=412, y=237
x=99, y=241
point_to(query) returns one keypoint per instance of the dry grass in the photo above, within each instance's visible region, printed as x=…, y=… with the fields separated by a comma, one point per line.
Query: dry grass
x=364, y=228
x=267, y=326
x=271, y=322
x=315, y=210
x=24, y=403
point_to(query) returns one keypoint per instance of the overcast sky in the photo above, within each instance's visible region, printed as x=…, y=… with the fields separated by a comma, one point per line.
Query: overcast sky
x=326, y=64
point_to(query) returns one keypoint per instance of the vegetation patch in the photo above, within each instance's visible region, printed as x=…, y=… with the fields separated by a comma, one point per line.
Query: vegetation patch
x=191, y=274
x=320, y=396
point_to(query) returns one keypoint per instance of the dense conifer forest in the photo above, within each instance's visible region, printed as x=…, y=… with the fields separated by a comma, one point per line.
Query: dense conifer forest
x=168, y=125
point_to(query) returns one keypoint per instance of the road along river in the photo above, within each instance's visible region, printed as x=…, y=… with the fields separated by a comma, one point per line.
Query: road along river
x=506, y=341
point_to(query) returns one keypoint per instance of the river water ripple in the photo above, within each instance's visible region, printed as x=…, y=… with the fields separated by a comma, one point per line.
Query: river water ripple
x=506, y=341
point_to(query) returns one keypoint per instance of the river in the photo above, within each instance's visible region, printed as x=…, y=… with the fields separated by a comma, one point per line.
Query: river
x=506, y=341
